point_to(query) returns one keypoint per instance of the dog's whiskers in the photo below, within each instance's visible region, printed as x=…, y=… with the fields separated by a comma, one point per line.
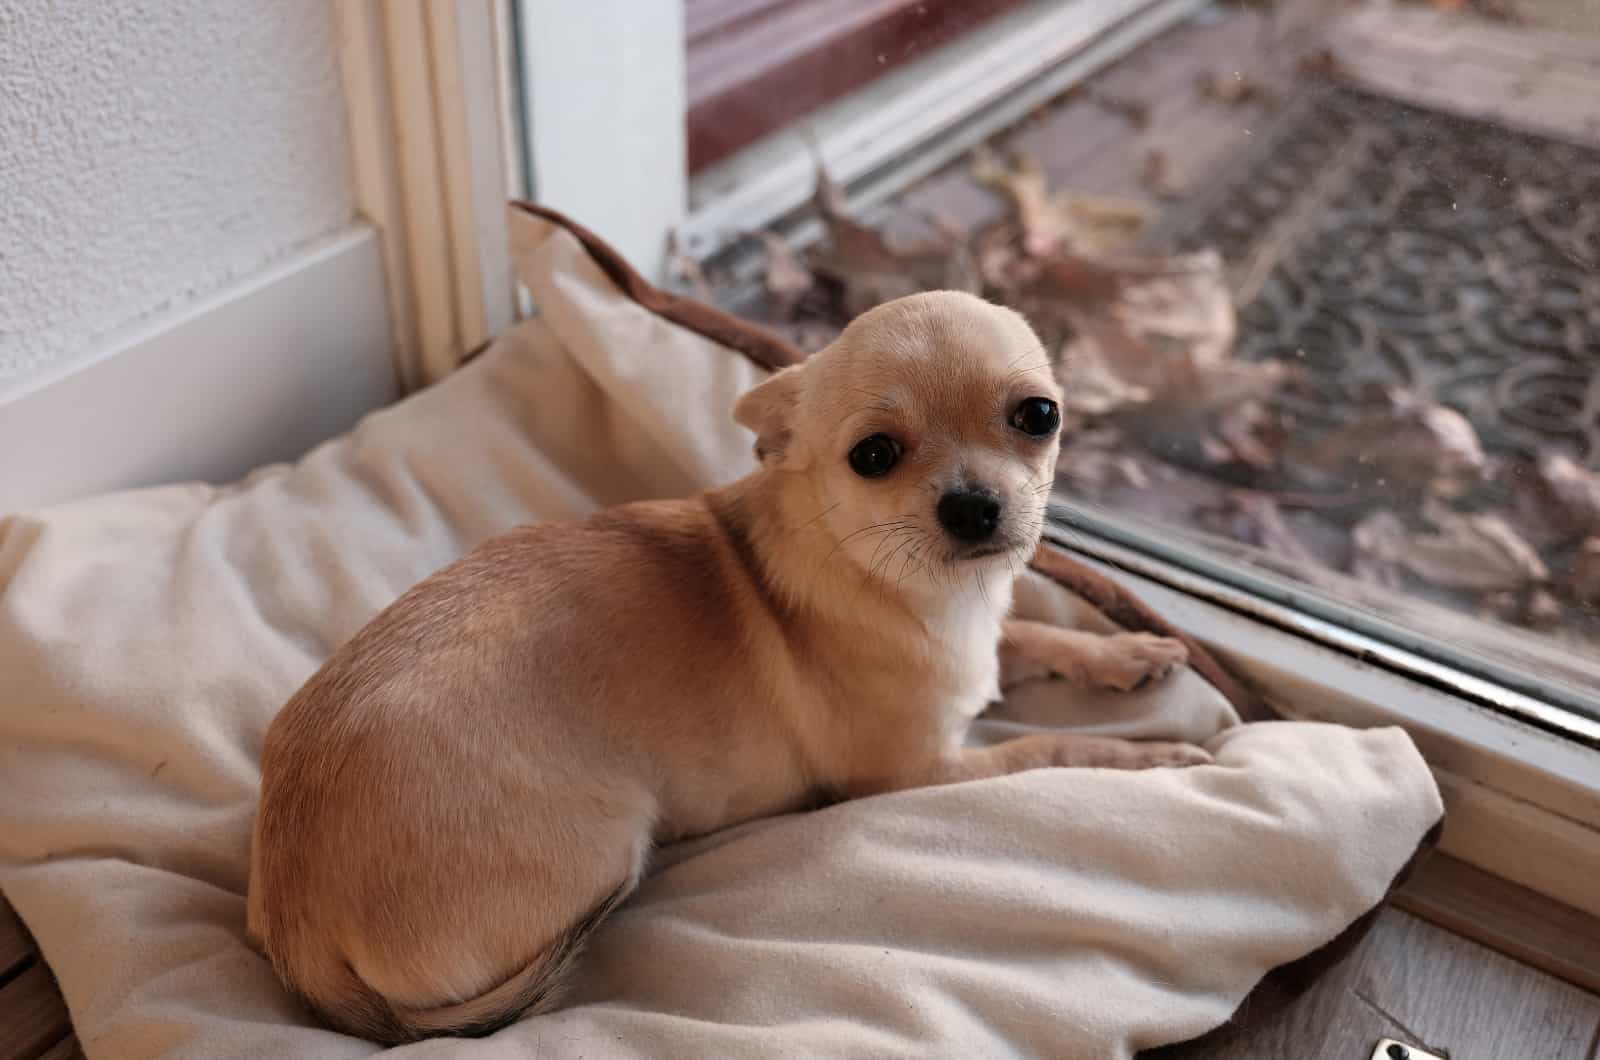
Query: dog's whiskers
x=819, y=516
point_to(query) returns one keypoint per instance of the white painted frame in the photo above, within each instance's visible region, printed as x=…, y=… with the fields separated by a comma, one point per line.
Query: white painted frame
x=603, y=103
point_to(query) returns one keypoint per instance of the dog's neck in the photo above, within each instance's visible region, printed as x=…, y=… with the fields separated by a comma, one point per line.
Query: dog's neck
x=800, y=560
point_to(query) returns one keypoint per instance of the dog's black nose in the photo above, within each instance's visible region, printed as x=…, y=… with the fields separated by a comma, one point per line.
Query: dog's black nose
x=969, y=515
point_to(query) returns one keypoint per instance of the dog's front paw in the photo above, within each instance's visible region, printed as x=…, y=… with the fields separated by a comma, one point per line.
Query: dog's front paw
x=1127, y=661
x=1073, y=750
x=1157, y=755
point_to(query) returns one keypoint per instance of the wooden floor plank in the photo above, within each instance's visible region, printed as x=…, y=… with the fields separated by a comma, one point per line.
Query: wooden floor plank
x=1469, y=1000
x=1415, y=982
x=16, y=945
x=33, y=1018
x=1513, y=920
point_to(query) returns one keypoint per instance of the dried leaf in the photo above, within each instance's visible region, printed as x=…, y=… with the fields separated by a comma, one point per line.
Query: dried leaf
x=1508, y=11
x=1571, y=494
x=685, y=270
x=1153, y=332
x=1024, y=183
x=1379, y=540
x=786, y=280
x=1247, y=434
x=1414, y=443
x=868, y=270
x=1583, y=577
x=1064, y=221
x=1136, y=112
x=1322, y=62
x=1543, y=610
x=1473, y=552
x=1255, y=519
x=1093, y=460
x=1233, y=89
x=1155, y=175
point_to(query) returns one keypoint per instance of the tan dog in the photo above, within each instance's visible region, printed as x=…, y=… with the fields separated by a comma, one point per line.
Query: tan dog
x=479, y=775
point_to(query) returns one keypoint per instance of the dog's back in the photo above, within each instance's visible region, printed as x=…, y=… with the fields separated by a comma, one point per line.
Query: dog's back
x=551, y=646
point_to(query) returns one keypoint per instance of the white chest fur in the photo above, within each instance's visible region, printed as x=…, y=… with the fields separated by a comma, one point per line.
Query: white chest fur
x=966, y=635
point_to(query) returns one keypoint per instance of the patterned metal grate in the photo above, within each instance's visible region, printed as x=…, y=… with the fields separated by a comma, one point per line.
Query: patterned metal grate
x=1380, y=244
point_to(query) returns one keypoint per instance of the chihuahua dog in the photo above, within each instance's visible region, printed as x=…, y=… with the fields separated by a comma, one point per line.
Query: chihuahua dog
x=475, y=779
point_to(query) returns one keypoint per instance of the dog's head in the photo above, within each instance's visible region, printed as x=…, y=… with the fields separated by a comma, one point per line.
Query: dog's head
x=927, y=432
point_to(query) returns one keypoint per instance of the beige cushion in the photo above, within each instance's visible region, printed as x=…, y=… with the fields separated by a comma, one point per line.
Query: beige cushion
x=147, y=638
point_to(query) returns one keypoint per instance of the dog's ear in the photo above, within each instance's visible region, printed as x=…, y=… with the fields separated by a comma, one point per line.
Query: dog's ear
x=768, y=410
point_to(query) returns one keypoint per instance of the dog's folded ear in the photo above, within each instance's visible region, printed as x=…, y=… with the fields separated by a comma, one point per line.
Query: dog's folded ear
x=768, y=410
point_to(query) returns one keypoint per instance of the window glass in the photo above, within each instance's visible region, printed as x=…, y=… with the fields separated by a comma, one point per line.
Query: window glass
x=1325, y=286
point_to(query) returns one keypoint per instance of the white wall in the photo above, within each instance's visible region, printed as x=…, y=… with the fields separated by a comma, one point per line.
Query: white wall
x=150, y=155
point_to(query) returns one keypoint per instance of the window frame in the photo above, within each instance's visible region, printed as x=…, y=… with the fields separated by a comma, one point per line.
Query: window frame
x=433, y=161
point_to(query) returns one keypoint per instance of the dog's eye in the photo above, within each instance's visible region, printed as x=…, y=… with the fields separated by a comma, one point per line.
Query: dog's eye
x=1036, y=416
x=874, y=455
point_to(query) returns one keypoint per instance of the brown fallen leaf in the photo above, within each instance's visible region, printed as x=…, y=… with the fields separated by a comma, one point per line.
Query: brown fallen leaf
x=1136, y=112
x=1155, y=175
x=1507, y=11
x=1413, y=443
x=1248, y=434
x=1048, y=222
x=1234, y=89
x=1583, y=577
x=1570, y=494
x=1543, y=610
x=786, y=280
x=1255, y=519
x=1093, y=460
x=685, y=270
x=1479, y=553
x=1151, y=333
x=1024, y=183
x=1321, y=62
x=868, y=270
x=1377, y=542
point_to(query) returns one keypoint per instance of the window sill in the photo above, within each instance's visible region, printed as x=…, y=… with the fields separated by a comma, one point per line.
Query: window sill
x=1523, y=802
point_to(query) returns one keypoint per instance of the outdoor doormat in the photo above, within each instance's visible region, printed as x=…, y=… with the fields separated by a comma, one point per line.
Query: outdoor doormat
x=1378, y=245
x=1433, y=282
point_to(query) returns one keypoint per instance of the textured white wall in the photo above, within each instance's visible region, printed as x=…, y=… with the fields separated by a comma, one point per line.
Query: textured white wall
x=151, y=153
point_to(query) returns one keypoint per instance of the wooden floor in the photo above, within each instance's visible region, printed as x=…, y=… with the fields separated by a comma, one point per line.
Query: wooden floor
x=1419, y=984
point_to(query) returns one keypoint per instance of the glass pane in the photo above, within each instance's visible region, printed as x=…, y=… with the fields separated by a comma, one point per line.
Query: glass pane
x=1325, y=281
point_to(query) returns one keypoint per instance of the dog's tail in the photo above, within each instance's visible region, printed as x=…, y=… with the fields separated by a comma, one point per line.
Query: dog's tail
x=360, y=1009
